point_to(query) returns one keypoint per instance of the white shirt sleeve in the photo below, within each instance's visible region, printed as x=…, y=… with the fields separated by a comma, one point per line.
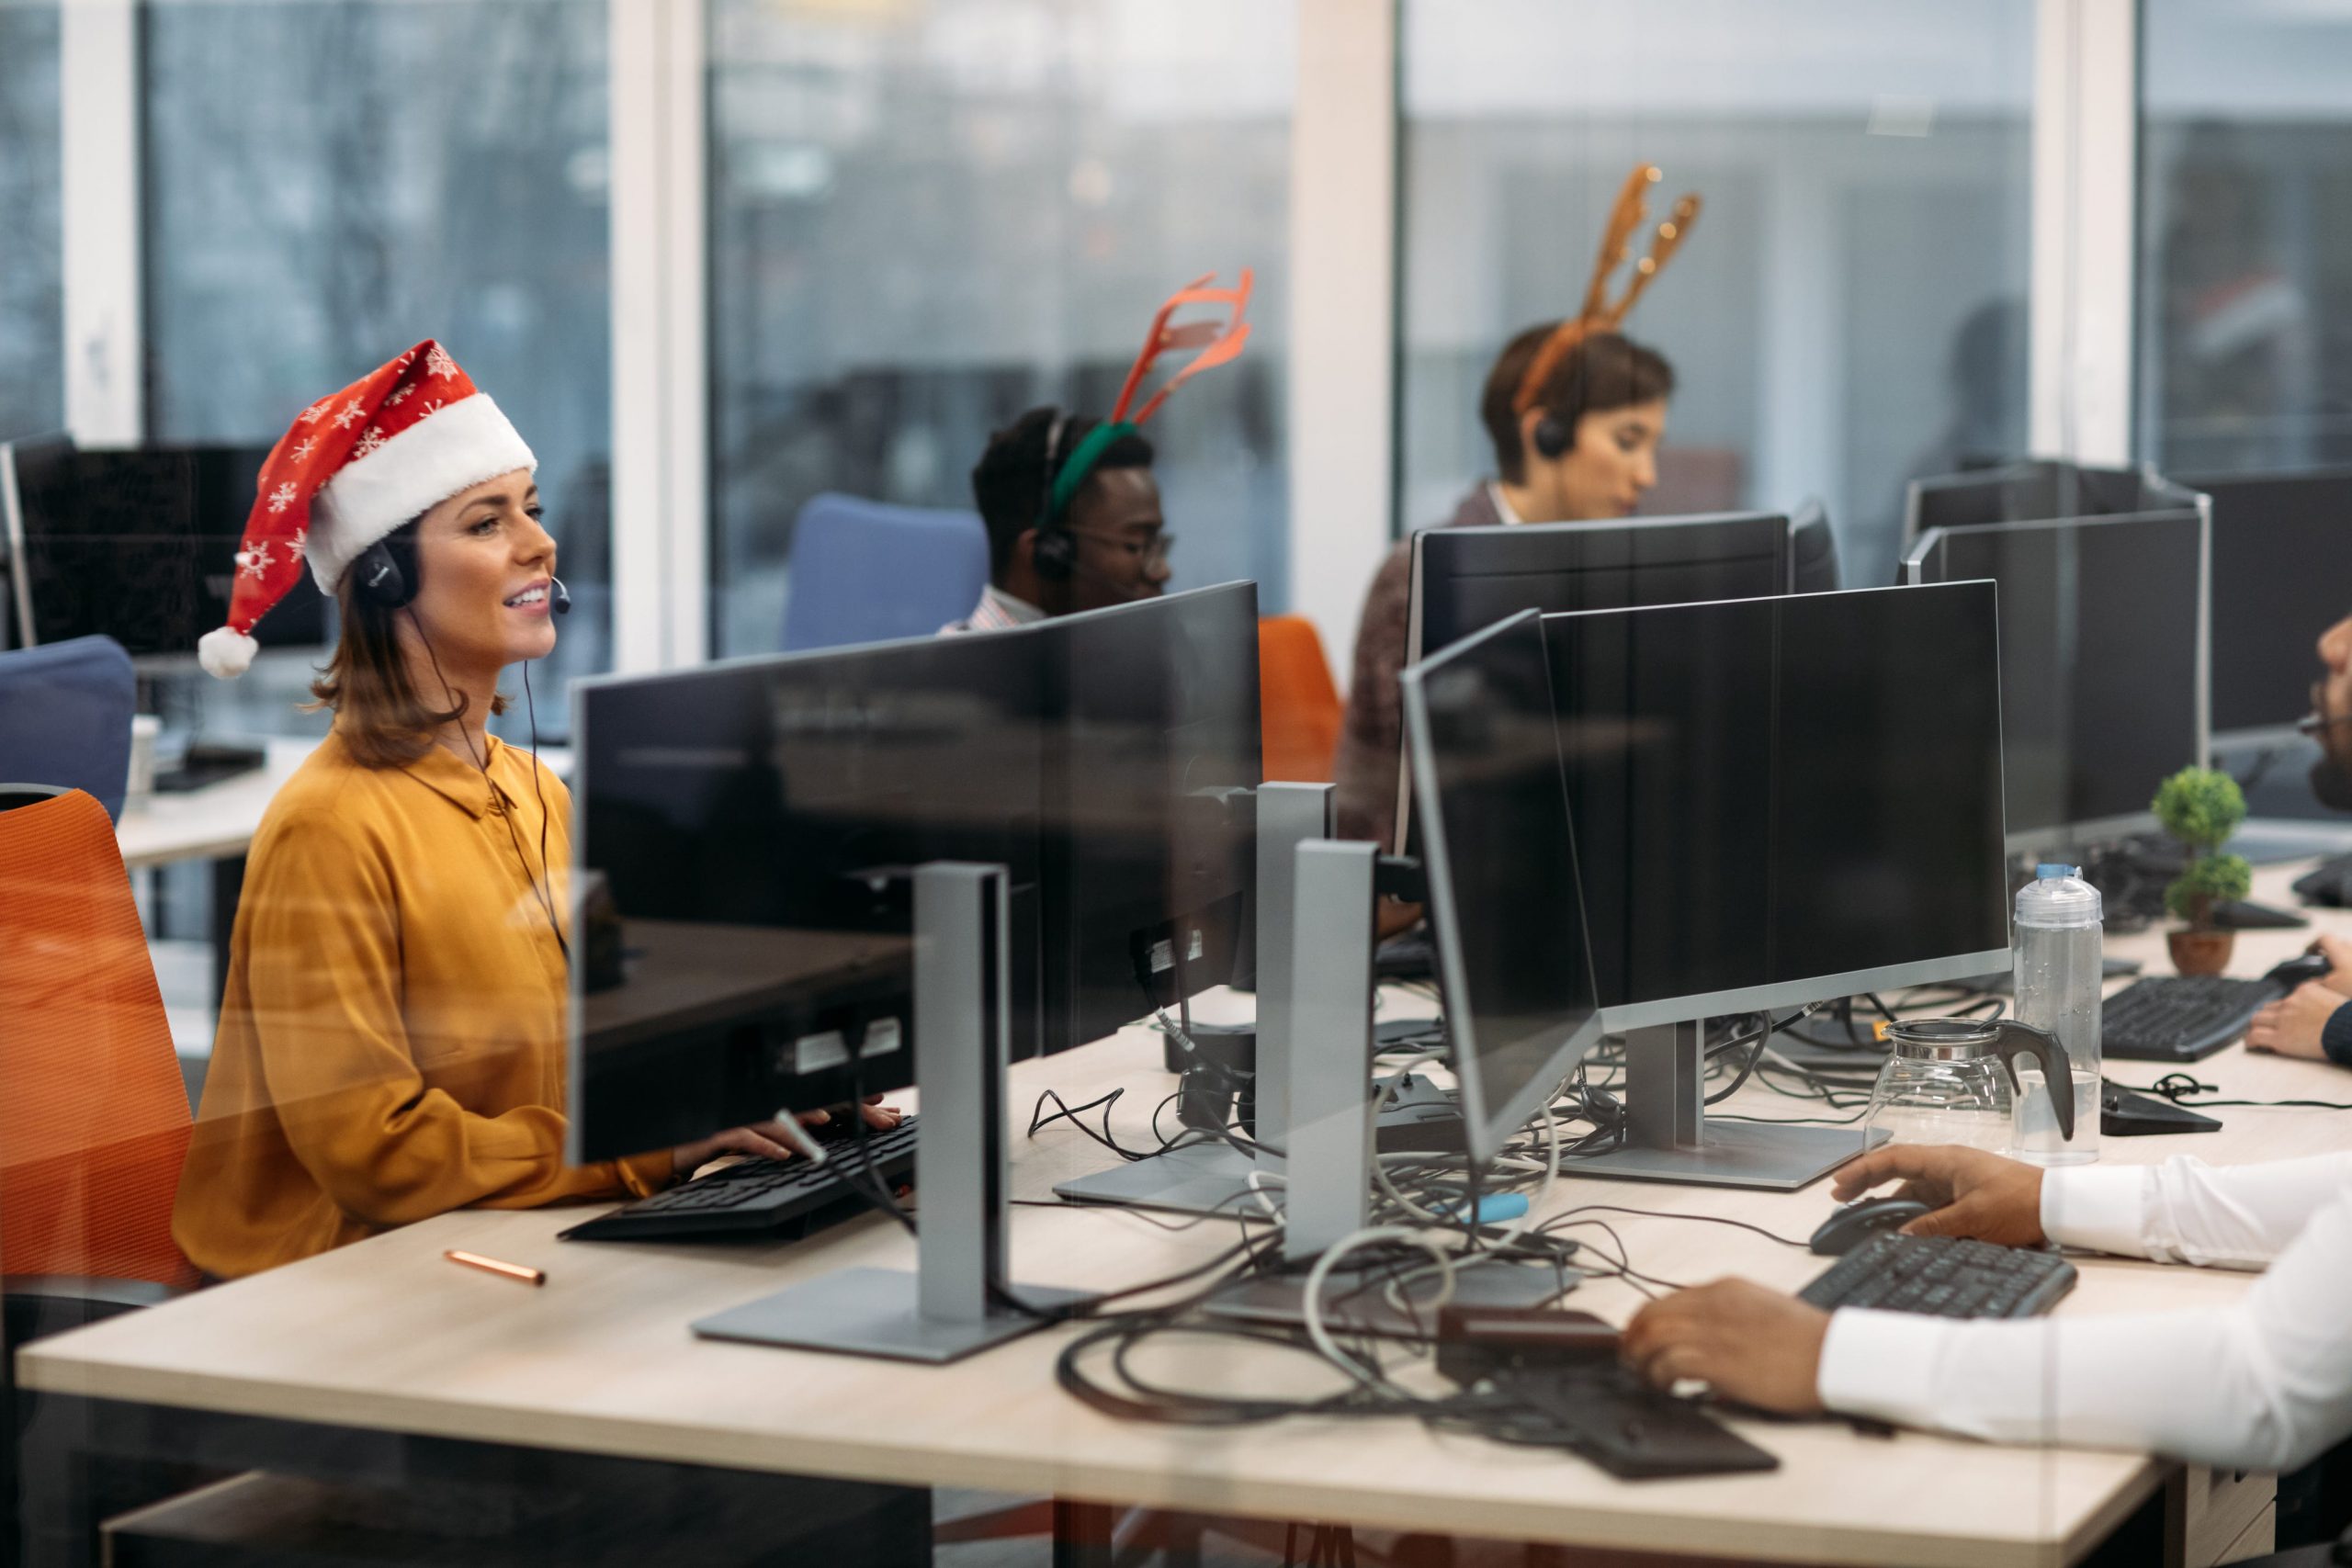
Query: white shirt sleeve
x=2263, y=1384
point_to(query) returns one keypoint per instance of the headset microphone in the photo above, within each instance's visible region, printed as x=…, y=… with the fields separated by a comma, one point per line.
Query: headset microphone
x=559, y=596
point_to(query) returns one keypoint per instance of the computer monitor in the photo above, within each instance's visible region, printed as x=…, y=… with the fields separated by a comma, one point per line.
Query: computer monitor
x=2034, y=490
x=2103, y=662
x=1465, y=579
x=1152, y=759
x=2278, y=543
x=1775, y=802
x=1500, y=862
x=1812, y=550
x=138, y=544
x=754, y=823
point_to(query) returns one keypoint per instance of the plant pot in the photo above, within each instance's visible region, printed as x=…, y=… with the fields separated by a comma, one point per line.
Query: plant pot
x=2200, y=952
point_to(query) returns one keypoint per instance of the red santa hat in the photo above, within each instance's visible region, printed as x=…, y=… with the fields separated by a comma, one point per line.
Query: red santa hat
x=353, y=467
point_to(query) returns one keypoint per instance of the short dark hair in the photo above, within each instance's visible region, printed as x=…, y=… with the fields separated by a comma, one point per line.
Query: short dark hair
x=1608, y=370
x=1010, y=481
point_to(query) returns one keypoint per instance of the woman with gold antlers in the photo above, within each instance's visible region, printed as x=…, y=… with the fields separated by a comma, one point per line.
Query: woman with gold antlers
x=1575, y=411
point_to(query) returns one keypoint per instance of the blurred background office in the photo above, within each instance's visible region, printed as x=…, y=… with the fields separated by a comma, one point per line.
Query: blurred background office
x=722, y=257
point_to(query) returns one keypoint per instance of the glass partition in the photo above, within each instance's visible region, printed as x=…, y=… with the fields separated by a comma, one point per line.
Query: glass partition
x=926, y=220
x=1850, y=311
x=2245, y=236
x=32, y=329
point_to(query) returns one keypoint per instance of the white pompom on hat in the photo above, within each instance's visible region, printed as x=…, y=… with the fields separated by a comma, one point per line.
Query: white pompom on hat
x=354, y=467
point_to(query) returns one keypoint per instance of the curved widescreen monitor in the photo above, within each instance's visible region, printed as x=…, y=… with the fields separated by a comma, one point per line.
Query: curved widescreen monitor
x=2103, y=661
x=1776, y=801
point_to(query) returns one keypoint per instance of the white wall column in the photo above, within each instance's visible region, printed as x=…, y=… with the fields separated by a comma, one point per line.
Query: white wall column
x=2085, y=212
x=104, y=344
x=1342, y=311
x=660, y=431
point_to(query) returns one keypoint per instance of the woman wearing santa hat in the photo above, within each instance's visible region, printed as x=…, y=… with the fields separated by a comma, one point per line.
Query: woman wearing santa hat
x=392, y=1038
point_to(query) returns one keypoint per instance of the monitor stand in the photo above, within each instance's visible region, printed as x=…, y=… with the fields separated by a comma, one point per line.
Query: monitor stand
x=1327, y=1191
x=1669, y=1138
x=948, y=1305
x=1214, y=1178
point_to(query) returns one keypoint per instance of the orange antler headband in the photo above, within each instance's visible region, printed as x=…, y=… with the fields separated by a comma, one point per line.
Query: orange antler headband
x=1616, y=242
x=1218, y=343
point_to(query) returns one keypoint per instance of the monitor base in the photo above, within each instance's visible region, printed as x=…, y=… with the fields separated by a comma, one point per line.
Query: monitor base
x=1213, y=1179
x=1355, y=1300
x=874, y=1312
x=1208, y=1178
x=1739, y=1154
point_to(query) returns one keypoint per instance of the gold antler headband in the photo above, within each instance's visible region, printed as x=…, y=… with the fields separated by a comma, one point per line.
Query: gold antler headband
x=1616, y=243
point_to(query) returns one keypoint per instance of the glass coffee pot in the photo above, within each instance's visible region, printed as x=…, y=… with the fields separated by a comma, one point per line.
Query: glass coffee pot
x=1952, y=1080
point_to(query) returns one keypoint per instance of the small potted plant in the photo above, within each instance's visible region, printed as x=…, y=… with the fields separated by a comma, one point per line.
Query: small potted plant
x=2202, y=807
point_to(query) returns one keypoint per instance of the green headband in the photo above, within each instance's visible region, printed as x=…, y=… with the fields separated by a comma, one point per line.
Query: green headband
x=1080, y=463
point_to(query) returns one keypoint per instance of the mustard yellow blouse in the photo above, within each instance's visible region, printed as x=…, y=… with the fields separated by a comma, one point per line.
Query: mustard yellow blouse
x=392, y=1039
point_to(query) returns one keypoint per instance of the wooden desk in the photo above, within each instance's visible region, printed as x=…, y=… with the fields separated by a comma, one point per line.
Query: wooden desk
x=387, y=1335
x=220, y=821
x=215, y=822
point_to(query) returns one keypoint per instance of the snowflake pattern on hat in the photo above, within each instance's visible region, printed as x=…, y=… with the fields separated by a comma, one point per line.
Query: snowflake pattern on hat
x=350, y=469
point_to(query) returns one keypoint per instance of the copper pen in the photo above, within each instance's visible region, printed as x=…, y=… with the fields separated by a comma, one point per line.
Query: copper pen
x=492, y=1266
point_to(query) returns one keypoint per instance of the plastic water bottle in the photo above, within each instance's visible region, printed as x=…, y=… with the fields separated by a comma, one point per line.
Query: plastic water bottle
x=2058, y=981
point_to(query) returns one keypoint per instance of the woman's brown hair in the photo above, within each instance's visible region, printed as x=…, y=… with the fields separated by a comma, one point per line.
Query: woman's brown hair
x=1605, y=372
x=367, y=681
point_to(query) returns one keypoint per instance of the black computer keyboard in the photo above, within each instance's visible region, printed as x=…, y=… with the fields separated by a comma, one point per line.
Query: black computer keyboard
x=2181, y=1017
x=2328, y=883
x=764, y=1197
x=1943, y=1278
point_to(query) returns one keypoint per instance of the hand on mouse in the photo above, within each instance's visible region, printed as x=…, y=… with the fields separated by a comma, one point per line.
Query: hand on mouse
x=2291, y=1028
x=1969, y=1193
x=1749, y=1344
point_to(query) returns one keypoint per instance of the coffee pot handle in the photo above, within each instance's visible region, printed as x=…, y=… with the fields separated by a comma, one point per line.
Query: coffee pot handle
x=2024, y=1040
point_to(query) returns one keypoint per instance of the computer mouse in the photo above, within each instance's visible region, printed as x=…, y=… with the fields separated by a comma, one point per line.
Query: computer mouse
x=1857, y=1223
x=2301, y=968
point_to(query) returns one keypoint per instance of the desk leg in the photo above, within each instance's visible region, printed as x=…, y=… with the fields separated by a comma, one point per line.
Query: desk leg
x=1082, y=1534
x=228, y=882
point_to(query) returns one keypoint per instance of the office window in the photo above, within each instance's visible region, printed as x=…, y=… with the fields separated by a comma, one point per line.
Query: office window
x=1848, y=312
x=32, y=386
x=2245, y=227
x=328, y=183
x=927, y=219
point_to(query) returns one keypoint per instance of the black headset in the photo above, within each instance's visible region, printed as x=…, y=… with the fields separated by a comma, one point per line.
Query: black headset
x=388, y=577
x=1552, y=436
x=1056, y=555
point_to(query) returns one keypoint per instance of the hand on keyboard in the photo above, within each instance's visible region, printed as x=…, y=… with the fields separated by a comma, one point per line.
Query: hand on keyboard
x=764, y=1140
x=2291, y=1027
x=1753, y=1346
x=1969, y=1192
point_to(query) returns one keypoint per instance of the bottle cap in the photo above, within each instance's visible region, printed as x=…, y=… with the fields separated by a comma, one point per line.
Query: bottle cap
x=2058, y=898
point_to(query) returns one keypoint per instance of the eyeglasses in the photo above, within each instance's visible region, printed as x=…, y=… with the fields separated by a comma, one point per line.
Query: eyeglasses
x=1153, y=553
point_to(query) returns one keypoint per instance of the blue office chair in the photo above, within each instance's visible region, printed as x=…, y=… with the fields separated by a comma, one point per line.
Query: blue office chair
x=866, y=571
x=65, y=712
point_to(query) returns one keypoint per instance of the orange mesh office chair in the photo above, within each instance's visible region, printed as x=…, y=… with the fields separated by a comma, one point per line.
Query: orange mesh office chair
x=94, y=1114
x=1298, y=701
